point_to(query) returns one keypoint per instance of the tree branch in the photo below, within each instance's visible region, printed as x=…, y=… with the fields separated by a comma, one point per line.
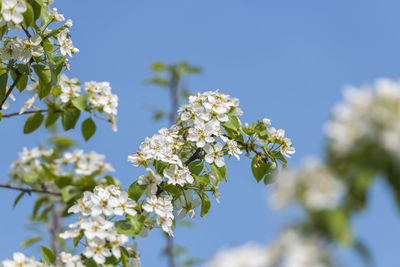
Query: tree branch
x=9, y=91
x=26, y=32
x=29, y=191
x=26, y=112
x=193, y=157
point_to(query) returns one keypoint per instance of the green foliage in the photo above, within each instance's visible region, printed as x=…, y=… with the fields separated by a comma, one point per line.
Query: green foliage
x=70, y=192
x=205, y=205
x=88, y=128
x=52, y=117
x=131, y=226
x=22, y=82
x=3, y=85
x=44, y=74
x=69, y=118
x=259, y=168
x=30, y=241
x=219, y=172
x=80, y=102
x=196, y=167
x=135, y=191
x=28, y=15
x=48, y=254
x=33, y=122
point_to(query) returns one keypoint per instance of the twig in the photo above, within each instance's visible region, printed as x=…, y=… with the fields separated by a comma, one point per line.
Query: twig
x=29, y=190
x=26, y=32
x=193, y=157
x=26, y=112
x=9, y=91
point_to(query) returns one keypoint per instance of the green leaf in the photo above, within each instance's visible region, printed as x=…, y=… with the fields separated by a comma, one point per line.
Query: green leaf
x=124, y=257
x=202, y=180
x=77, y=239
x=37, y=206
x=30, y=177
x=158, y=81
x=196, y=167
x=64, y=142
x=131, y=226
x=3, y=85
x=52, y=117
x=233, y=122
x=23, y=81
x=45, y=15
x=271, y=177
x=88, y=128
x=135, y=191
x=19, y=197
x=33, y=122
x=80, y=102
x=158, y=66
x=205, y=205
x=258, y=168
x=112, y=181
x=30, y=241
x=219, y=173
x=36, y=6
x=69, y=118
x=24, y=69
x=28, y=15
x=70, y=192
x=44, y=74
x=173, y=189
x=160, y=166
x=56, y=64
x=339, y=227
x=48, y=254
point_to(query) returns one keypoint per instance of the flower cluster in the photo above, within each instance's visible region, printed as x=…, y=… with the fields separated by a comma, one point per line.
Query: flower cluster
x=29, y=161
x=20, y=259
x=314, y=185
x=369, y=118
x=207, y=128
x=99, y=95
x=21, y=49
x=198, y=126
x=291, y=249
x=65, y=43
x=74, y=164
x=12, y=12
x=96, y=210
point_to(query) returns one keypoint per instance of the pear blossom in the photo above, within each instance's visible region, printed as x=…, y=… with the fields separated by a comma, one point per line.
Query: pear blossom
x=123, y=205
x=96, y=249
x=28, y=104
x=71, y=260
x=20, y=259
x=69, y=87
x=30, y=47
x=151, y=181
x=12, y=10
x=214, y=154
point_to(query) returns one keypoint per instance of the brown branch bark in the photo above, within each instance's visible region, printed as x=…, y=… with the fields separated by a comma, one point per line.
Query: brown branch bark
x=26, y=112
x=29, y=190
x=9, y=91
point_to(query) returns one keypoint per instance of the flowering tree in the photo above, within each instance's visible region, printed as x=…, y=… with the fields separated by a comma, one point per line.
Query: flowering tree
x=184, y=165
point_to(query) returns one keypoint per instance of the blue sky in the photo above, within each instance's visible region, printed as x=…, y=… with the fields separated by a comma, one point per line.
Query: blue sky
x=285, y=60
